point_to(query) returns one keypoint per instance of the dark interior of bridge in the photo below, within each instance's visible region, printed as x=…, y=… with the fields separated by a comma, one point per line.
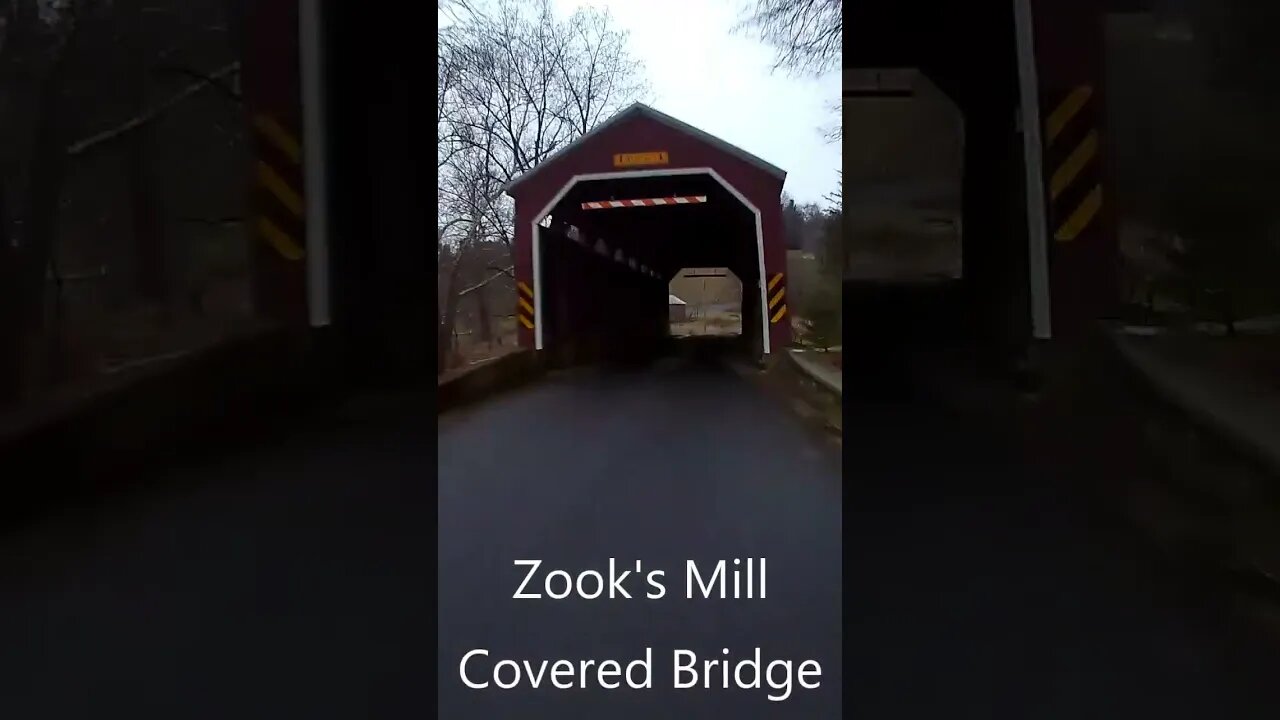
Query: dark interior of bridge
x=986, y=310
x=604, y=307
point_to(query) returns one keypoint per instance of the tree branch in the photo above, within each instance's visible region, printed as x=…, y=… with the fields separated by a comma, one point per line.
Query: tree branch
x=501, y=273
x=218, y=83
x=82, y=146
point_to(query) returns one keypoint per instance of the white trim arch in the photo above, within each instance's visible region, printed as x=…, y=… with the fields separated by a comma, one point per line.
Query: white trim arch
x=536, y=243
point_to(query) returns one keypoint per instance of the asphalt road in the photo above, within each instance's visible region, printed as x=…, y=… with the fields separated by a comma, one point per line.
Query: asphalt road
x=295, y=580
x=666, y=465
x=980, y=585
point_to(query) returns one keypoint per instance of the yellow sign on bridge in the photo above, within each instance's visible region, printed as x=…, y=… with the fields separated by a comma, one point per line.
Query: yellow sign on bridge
x=637, y=159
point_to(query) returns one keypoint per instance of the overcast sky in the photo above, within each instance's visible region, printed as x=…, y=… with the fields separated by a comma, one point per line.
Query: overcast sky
x=721, y=83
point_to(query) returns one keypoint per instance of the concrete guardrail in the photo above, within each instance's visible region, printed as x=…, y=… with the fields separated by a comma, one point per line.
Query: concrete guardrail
x=487, y=379
x=82, y=443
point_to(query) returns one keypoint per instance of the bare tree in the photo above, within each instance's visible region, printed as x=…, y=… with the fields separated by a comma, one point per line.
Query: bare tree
x=1190, y=121
x=84, y=85
x=531, y=82
x=466, y=195
x=835, y=198
x=596, y=71
x=1219, y=200
x=515, y=85
x=806, y=34
x=448, y=141
x=807, y=38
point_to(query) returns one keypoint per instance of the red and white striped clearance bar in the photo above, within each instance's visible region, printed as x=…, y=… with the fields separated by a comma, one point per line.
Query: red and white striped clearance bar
x=646, y=202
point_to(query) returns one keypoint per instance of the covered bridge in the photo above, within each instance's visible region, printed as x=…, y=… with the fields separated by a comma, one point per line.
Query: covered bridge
x=605, y=223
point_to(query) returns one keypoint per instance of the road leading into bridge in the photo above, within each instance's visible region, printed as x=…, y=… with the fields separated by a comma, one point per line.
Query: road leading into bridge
x=672, y=463
x=294, y=580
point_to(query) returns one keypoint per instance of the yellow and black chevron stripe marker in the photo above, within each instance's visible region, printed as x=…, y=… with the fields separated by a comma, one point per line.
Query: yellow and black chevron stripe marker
x=776, y=291
x=1075, y=182
x=281, y=217
x=524, y=302
x=279, y=138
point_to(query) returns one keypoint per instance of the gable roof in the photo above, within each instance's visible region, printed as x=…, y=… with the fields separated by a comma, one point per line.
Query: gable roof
x=641, y=110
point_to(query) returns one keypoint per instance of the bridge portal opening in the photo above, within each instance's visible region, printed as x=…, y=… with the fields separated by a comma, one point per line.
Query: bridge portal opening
x=903, y=174
x=984, y=316
x=704, y=302
x=612, y=248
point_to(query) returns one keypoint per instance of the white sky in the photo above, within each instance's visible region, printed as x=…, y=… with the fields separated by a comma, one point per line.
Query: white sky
x=722, y=83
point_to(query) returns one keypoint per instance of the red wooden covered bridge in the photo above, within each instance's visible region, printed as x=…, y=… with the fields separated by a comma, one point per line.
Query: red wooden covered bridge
x=605, y=223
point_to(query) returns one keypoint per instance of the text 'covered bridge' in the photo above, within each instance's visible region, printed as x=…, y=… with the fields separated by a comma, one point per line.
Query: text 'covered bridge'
x=603, y=225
